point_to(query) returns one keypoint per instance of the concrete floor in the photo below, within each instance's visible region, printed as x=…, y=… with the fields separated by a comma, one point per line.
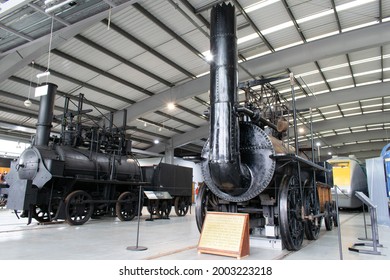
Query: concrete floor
x=173, y=239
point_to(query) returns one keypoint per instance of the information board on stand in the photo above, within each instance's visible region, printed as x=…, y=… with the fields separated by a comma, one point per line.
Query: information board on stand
x=225, y=234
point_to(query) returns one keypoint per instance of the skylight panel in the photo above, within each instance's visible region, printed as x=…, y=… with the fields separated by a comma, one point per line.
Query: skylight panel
x=259, y=5
x=322, y=36
x=352, y=4
x=359, y=26
x=289, y=46
x=315, y=16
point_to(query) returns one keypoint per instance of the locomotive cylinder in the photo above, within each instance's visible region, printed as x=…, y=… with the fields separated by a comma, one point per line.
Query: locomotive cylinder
x=45, y=116
x=225, y=166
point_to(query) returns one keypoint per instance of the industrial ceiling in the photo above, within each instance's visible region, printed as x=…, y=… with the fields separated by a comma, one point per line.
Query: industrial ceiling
x=142, y=55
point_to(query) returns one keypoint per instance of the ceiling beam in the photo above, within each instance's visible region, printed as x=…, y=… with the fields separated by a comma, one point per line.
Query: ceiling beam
x=148, y=48
x=63, y=94
x=341, y=139
x=353, y=121
x=183, y=139
x=347, y=42
x=355, y=148
x=344, y=96
x=15, y=59
x=376, y=90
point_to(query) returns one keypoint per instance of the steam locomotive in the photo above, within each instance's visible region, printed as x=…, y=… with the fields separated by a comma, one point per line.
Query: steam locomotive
x=246, y=165
x=87, y=172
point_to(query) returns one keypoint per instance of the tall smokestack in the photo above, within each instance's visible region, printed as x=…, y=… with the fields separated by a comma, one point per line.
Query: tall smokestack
x=45, y=116
x=224, y=158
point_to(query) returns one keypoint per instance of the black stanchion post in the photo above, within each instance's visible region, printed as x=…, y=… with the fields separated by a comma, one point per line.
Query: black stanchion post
x=136, y=247
x=338, y=223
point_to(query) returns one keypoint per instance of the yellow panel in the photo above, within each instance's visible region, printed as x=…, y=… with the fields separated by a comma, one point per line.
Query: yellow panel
x=341, y=174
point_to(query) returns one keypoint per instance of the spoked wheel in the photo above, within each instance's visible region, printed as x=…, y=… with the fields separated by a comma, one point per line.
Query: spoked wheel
x=164, y=209
x=41, y=213
x=312, y=208
x=290, y=205
x=328, y=215
x=205, y=201
x=127, y=206
x=78, y=207
x=153, y=207
x=182, y=204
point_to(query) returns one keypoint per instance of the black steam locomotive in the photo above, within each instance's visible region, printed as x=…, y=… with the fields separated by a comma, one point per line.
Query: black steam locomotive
x=247, y=168
x=87, y=172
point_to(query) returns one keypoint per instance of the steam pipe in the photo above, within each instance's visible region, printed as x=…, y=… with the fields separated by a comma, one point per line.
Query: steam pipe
x=224, y=158
x=45, y=116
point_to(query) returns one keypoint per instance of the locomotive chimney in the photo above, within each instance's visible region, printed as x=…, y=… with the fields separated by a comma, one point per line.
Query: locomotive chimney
x=225, y=166
x=45, y=116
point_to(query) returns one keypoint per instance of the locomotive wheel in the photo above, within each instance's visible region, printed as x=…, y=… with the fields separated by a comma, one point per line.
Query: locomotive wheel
x=205, y=201
x=78, y=207
x=312, y=207
x=328, y=216
x=153, y=207
x=127, y=207
x=290, y=205
x=164, y=209
x=41, y=213
x=181, y=205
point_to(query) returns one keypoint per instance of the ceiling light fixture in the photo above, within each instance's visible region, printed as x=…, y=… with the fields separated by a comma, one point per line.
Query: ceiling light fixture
x=55, y=7
x=209, y=57
x=46, y=73
x=156, y=141
x=171, y=106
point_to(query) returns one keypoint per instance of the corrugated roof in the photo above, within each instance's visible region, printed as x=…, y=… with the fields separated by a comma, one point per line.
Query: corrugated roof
x=105, y=77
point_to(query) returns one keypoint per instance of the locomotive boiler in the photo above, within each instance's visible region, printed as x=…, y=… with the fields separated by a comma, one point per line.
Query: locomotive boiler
x=88, y=172
x=246, y=166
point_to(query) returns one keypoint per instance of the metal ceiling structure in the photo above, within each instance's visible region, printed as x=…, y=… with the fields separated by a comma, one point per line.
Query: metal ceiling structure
x=142, y=55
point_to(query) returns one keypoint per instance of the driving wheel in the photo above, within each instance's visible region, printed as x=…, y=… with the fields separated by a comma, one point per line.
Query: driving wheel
x=290, y=205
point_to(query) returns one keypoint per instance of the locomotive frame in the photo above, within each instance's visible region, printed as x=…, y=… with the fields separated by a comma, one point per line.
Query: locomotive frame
x=248, y=170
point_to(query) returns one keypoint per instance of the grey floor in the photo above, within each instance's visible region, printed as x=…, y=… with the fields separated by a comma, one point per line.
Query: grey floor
x=173, y=239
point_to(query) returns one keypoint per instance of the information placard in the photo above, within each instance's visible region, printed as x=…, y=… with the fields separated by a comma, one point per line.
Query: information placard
x=225, y=234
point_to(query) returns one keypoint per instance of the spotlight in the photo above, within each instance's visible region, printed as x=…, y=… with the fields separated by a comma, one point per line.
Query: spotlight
x=156, y=141
x=44, y=74
x=27, y=103
x=171, y=106
x=209, y=57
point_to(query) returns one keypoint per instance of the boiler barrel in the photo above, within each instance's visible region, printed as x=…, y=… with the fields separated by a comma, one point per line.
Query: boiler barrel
x=78, y=161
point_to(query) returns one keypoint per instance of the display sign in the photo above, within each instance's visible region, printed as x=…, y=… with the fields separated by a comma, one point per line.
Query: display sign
x=225, y=234
x=157, y=195
x=150, y=195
